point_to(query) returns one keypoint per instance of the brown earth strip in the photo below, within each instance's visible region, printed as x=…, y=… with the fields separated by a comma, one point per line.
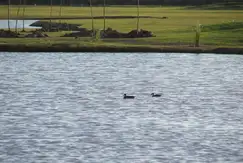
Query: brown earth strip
x=129, y=49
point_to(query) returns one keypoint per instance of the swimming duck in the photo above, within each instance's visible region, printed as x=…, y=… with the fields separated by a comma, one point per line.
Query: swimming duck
x=155, y=95
x=128, y=97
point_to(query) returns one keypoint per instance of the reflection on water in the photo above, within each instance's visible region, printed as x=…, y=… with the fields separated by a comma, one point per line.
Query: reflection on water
x=4, y=24
x=69, y=108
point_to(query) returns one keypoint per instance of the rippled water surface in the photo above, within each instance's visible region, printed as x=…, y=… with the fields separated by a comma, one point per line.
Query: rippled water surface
x=68, y=108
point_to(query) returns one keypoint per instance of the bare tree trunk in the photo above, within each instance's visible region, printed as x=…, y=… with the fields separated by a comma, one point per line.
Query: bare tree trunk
x=104, y=7
x=16, y=23
x=60, y=10
x=9, y=2
x=50, y=25
x=23, y=16
x=60, y=13
x=138, y=14
x=91, y=12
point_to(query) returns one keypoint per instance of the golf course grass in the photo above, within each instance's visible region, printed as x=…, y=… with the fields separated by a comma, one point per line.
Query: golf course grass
x=220, y=29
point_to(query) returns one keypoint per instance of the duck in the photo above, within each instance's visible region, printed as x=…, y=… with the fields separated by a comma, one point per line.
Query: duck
x=128, y=97
x=155, y=95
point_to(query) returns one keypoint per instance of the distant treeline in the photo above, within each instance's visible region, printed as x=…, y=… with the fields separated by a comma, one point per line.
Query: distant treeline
x=121, y=2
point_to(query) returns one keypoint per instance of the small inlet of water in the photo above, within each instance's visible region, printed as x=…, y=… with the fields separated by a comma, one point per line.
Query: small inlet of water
x=4, y=24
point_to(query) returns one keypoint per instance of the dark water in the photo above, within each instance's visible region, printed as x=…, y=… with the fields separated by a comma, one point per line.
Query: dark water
x=4, y=23
x=68, y=108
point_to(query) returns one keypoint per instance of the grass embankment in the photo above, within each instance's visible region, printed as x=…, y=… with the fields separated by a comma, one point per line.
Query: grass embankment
x=221, y=28
x=219, y=6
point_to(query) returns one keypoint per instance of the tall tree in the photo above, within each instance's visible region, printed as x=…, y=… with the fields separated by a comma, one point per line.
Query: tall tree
x=91, y=13
x=104, y=8
x=23, y=16
x=9, y=2
x=138, y=15
x=60, y=11
x=16, y=22
x=50, y=25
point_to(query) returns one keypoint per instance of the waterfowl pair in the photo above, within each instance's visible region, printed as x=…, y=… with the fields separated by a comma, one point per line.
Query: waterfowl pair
x=125, y=96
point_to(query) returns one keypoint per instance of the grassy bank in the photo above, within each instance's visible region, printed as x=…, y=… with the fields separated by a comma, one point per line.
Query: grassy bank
x=221, y=28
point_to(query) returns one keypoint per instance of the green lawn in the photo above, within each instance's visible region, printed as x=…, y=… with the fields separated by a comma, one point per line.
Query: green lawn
x=178, y=28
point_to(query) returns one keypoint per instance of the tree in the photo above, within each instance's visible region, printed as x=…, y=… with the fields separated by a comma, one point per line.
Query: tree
x=104, y=7
x=9, y=2
x=23, y=16
x=91, y=13
x=138, y=14
x=60, y=11
x=16, y=22
x=50, y=25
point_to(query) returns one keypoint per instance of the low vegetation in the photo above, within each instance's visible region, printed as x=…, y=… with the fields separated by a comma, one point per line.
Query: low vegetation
x=218, y=27
x=225, y=26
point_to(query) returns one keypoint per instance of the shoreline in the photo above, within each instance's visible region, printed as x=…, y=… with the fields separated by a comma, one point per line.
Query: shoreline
x=119, y=49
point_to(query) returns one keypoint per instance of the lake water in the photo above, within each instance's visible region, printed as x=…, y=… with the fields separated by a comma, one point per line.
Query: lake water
x=4, y=24
x=68, y=108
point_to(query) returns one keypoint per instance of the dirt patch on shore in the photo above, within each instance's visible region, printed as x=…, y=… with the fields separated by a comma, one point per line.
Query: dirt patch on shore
x=111, y=33
x=54, y=26
x=36, y=34
x=8, y=34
